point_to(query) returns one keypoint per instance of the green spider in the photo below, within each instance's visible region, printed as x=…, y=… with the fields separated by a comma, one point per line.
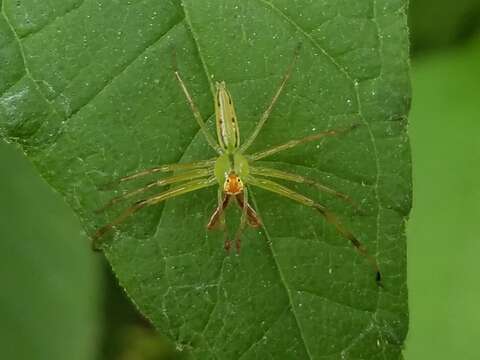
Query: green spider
x=233, y=170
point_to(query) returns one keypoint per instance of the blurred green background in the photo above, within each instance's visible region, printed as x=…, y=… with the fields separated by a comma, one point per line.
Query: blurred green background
x=52, y=287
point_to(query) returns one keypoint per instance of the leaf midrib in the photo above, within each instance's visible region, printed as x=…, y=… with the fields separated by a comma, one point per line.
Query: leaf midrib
x=284, y=284
x=372, y=139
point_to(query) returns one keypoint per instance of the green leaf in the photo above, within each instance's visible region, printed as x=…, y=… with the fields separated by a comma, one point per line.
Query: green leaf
x=49, y=300
x=94, y=98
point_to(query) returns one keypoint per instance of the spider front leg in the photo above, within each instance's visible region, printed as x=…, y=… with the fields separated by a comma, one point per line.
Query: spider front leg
x=328, y=215
x=173, y=192
x=267, y=112
x=196, y=114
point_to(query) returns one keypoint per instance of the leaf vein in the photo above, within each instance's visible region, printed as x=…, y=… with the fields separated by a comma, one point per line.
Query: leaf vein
x=264, y=333
x=53, y=20
x=195, y=40
x=284, y=284
x=125, y=67
x=24, y=59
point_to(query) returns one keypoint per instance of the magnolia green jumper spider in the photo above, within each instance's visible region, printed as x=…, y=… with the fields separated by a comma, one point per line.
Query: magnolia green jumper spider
x=234, y=171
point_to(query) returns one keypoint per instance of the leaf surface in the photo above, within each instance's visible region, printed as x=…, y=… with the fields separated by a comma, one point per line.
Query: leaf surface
x=89, y=92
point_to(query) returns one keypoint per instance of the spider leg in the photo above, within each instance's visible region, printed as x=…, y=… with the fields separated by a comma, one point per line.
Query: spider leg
x=196, y=114
x=267, y=112
x=162, y=168
x=243, y=219
x=223, y=201
x=283, y=175
x=292, y=143
x=167, y=194
x=218, y=217
x=161, y=182
x=328, y=215
x=252, y=217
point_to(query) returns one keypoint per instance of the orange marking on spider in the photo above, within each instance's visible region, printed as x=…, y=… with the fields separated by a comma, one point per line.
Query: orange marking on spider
x=233, y=184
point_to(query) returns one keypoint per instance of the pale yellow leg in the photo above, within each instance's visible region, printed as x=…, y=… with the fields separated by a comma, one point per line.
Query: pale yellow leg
x=292, y=143
x=196, y=114
x=173, y=192
x=187, y=176
x=267, y=112
x=283, y=175
x=163, y=168
x=329, y=216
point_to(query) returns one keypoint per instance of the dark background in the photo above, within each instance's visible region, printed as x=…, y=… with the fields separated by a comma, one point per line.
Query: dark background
x=55, y=289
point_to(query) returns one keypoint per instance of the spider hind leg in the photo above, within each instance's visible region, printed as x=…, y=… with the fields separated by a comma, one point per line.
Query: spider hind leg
x=329, y=216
